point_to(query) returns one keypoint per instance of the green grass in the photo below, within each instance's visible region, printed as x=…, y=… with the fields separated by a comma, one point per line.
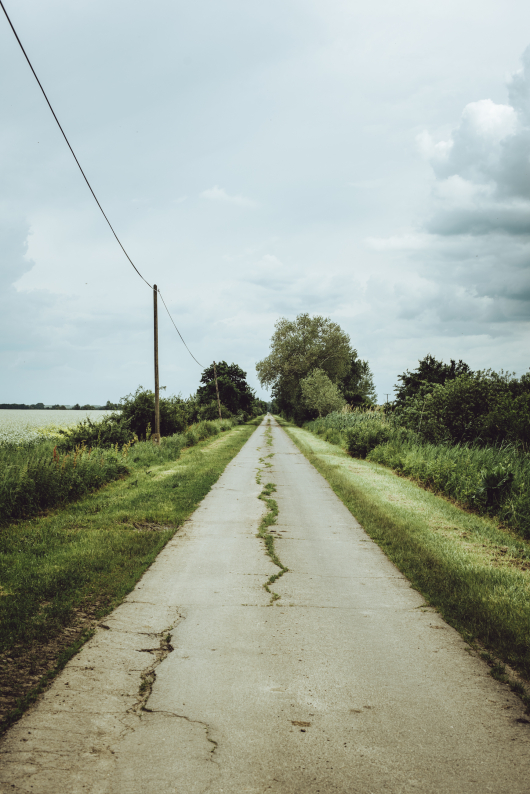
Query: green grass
x=37, y=476
x=491, y=480
x=473, y=571
x=88, y=556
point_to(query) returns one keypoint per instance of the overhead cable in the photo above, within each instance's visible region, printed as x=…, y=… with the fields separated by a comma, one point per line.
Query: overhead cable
x=88, y=183
x=69, y=146
x=176, y=329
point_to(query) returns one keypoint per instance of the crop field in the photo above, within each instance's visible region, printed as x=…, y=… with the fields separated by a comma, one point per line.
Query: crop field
x=23, y=427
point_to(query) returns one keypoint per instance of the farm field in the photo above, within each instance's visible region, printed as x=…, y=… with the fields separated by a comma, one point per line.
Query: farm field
x=21, y=427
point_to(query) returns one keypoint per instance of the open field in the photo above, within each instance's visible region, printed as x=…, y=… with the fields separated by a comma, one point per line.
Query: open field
x=61, y=572
x=19, y=427
x=476, y=573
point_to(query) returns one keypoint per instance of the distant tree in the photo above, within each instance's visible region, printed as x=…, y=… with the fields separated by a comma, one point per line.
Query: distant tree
x=429, y=371
x=259, y=407
x=302, y=345
x=234, y=392
x=320, y=394
x=76, y=407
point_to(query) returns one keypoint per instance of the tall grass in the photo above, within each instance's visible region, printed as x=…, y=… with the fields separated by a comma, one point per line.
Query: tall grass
x=35, y=477
x=490, y=480
x=493, y=480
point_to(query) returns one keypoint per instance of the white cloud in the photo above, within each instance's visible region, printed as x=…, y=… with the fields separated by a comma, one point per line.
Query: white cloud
x=217, y=193
x=405, y=242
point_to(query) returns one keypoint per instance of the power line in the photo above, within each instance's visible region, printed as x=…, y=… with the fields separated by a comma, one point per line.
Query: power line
x=69, y=146
x=176, y=329
x=88, y=183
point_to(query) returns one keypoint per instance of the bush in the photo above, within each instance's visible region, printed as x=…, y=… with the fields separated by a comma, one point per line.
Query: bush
x=211, y=411
x=37, y=479
x=482, y=407
x=366, y=435
x=107, y=432
x=138, y=412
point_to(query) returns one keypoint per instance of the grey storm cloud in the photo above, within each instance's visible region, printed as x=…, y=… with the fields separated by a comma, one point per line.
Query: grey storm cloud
x=483, y=170
x=258, y=160
x=471, y=255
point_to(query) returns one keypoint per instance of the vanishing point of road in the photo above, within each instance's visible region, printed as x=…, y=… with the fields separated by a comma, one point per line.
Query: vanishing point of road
x=347, y=683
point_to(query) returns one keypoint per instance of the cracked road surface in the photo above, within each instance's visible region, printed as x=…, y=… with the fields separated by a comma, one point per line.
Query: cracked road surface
x=347, y=683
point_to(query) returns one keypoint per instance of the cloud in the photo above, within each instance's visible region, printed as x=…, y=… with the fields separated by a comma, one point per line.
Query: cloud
x=404, y=242
x=472, y=248
x=217, y=193
x=482, y=170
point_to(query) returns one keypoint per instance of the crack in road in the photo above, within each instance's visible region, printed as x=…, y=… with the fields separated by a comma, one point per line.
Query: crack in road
x=205, y=725
x=269, y=519
x=148, y=674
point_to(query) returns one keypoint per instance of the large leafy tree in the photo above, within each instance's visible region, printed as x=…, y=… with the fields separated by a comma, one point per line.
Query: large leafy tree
x=429, y=371
x=234, y=392
x=297, y=348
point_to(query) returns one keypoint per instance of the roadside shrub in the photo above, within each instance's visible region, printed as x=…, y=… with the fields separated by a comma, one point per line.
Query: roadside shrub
x=39, y=479
x=138, y=412
x=210, y=411
x=191, y=438
x=366, y=435
x=482, y=407
x=107, y=432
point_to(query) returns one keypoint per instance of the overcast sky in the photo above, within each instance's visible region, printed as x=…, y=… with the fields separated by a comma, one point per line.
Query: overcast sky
x=367, y=161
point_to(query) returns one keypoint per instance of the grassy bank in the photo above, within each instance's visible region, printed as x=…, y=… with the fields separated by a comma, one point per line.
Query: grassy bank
x=41, y=475
x=474, y=572
x=60, y=573
x=491, y=480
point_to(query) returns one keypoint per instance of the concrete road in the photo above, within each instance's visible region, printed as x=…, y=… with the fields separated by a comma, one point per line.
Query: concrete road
x=346, y=684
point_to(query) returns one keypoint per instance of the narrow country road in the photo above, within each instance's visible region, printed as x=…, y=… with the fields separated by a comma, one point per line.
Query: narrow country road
x=345, y=684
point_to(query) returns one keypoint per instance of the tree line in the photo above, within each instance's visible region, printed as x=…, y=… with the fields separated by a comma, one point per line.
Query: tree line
x=313, y=370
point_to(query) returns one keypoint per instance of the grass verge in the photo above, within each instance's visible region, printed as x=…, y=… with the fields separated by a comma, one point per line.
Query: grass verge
x=61, y=573
x=474, y=572
x=490, y=480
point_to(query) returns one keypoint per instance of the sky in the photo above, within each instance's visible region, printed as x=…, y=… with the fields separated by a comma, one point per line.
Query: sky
x=365, y=161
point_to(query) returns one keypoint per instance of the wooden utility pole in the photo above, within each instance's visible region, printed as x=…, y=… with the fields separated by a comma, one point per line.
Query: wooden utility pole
x=217, y=389
x=156, y=434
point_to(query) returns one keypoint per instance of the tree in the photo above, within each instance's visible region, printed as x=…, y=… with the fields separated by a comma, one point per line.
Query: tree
x=320, y=394
x=300, y=346
x=234, y=392
x=483, y=407
x=429, y=371
x=138, y=413
x=358, y=384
